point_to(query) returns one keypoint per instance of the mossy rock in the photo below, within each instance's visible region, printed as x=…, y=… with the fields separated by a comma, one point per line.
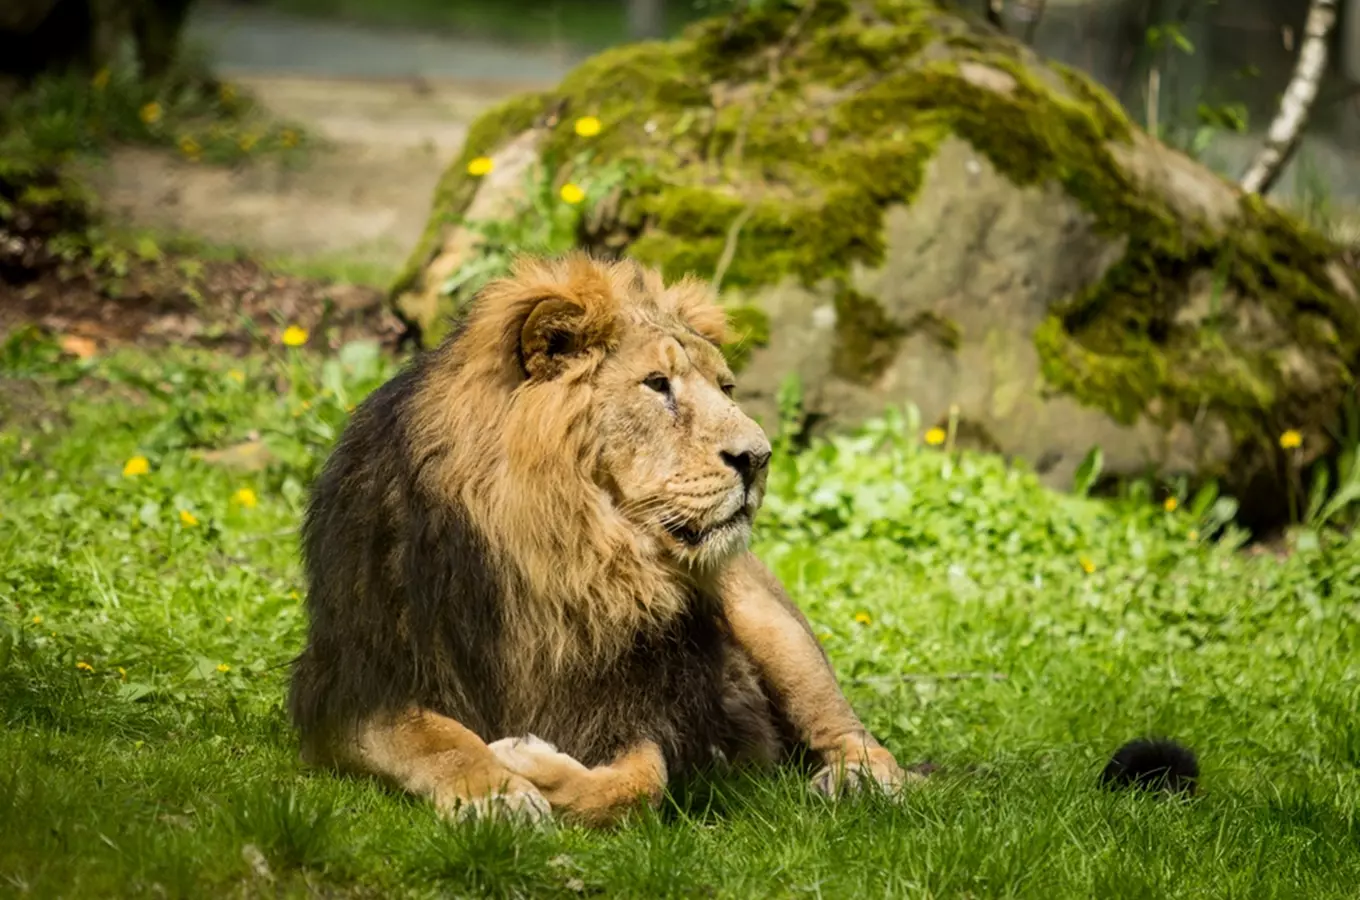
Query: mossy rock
x=905, y=206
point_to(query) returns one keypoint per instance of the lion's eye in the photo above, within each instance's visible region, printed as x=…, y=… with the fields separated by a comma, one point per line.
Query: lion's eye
x=728, y=387
x=658, y=382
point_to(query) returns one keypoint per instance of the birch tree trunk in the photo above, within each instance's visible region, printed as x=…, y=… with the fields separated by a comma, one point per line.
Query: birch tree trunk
x=1287, y=128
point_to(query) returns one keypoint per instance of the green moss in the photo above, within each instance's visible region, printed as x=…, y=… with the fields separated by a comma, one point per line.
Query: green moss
x=750, y=329
x=866, y=337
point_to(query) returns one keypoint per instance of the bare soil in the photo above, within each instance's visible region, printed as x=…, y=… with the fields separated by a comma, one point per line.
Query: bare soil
x=360, y=199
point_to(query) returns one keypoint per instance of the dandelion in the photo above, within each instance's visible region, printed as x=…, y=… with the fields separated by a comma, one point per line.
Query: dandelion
x=151, y=113
x=935, y=437
x=100, y=79
x=237, y=376
x=229, y=620
x=1193, y=535
x=84, y=666
x=1087, y=566
x=288, y=137
x=1291, y=440
x=479, y=166
x=293, y=595
x=190, y=147
x=246, y=497
x=37, y=620
x=587, y=126
x=1170, y=504
x=572, y=193
x=862, y=618
x=293, y=336
x=138, y=465
x=187, y=519
x=223, y=668
x=122, y=673
x=248, y=142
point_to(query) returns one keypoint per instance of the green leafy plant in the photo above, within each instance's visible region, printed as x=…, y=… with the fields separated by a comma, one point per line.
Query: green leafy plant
x=546, y=221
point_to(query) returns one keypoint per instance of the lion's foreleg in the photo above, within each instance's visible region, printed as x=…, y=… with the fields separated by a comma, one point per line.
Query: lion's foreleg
x=595, y=797
x=775, y=634
x=435, y=757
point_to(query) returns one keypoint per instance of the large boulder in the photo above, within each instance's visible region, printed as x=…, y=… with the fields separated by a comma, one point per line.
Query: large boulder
x=902, y=205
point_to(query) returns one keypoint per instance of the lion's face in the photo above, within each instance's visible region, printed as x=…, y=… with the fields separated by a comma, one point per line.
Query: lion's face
x=677, y=456
x=585, y=412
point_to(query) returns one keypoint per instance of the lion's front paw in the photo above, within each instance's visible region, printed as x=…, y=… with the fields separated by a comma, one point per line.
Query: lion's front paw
x=875, y=767
x=517, y=799
x=535, y=759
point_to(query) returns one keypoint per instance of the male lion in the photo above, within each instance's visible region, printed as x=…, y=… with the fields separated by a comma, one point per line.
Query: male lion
x=541, y=528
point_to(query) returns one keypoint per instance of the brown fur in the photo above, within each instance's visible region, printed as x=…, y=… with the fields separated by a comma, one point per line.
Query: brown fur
x=540, y=528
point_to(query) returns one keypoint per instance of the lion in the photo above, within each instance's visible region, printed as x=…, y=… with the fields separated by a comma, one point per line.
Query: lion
x=530, y=589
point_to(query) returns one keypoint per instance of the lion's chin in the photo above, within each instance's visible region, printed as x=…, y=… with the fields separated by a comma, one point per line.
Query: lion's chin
x=713, y=544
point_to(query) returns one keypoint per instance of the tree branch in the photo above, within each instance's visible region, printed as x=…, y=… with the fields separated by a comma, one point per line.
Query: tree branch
x=1287, y=128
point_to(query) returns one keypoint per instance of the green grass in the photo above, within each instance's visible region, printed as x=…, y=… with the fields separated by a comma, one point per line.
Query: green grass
x=164, y=766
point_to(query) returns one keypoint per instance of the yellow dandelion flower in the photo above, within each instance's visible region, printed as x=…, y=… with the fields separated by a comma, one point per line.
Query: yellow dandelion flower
x=189, y=147
x=1087, y=566
x=138, y=465
x=229, y=620
x=289, y=138
x=862, y=618
x=479, y=166
x=84, y=666
x=1291, y=440
x=293, y=595
x=1171, y=504
x=223, y=667
x=293, y=336
x=935, y=437
x=37, y=620
x=572, y=193
x=100, y=79
x=1193, y=535
x=122, y=673
x=187, y=519
x=151, y=113
x=237, y=376
x=587, y=126
x=247, y=142
x=246, y=497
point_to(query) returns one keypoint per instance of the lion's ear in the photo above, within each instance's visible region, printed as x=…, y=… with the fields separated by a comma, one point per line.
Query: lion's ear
x=555, y=331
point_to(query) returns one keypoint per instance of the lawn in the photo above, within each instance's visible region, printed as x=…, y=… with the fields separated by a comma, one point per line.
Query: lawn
x=150, y=603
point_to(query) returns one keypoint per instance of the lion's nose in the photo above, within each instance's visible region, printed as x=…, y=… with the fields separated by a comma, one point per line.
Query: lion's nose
x=747, y=462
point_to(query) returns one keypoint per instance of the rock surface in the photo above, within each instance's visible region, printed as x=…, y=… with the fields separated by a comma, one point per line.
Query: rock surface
x=902, y=206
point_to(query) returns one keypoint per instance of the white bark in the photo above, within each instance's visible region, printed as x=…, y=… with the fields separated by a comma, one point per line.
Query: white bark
x=1287, y=128
x=646, y=19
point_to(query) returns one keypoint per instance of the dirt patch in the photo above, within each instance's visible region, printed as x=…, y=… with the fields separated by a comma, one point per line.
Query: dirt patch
x=360, y=200
x=228, y=305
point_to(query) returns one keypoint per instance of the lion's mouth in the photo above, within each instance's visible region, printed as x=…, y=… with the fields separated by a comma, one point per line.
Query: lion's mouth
x=692, y=536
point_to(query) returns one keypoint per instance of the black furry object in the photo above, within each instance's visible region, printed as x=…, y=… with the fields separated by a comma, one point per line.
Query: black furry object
x=1153, y=764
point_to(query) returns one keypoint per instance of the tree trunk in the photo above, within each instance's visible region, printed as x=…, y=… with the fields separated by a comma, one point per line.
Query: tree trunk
x=646, y=19
x=50, y=36
x=1287, y=128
